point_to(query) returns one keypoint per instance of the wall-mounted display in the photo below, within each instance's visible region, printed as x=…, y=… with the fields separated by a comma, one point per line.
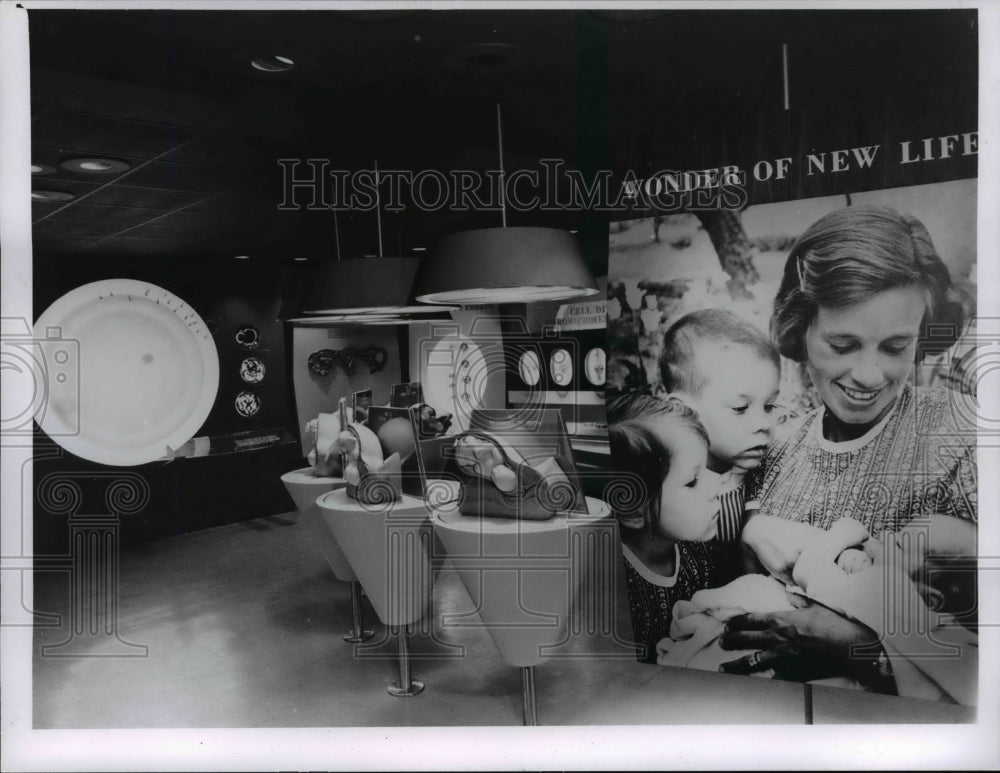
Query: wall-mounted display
x=248, y=337
x=455, y=378
x=131, y=371
x=561, y=367
x=594, y=366
x=529, y=367
x=323, y=361
x=247, y=404
x=252, y=370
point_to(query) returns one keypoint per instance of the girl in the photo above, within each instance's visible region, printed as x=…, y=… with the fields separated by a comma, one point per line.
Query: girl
x=668, y=512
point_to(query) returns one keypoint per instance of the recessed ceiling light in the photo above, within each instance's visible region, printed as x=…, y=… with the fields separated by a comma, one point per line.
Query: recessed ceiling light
x=242, y=257
x=42, y=169
x=300, y=260
x=51, y=196
x=484, y=58
x=420, y=249
x=272, y=63
x=95, y=165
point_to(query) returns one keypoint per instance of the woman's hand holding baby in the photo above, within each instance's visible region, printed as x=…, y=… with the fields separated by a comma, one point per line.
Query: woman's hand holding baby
x=809, y=642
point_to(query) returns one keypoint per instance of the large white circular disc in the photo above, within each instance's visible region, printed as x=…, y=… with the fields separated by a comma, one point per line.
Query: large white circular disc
x=131, y=372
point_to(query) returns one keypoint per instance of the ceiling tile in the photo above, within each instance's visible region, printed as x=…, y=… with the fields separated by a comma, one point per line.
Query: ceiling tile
x=76, y=229
x=183, y=177
x=219, y=149
x=239, y=202
x=190, y=219
x=41, y=208
x=87, y=133
x=53, y=242
x=157, y=231
x=124, y=245
x=127, y=196
x=125, y=216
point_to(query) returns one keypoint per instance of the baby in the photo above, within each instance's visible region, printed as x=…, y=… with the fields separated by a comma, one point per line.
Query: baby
x=728, y=372
x=843, y=568
x=667, y=511
x=931, y=551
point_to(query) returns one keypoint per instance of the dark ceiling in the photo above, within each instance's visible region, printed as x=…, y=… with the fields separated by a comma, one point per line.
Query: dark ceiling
x=173, y=94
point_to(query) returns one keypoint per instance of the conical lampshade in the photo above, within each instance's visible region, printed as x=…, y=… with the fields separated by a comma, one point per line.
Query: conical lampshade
x=361, y=285
x=365, y=286
x=504, y=265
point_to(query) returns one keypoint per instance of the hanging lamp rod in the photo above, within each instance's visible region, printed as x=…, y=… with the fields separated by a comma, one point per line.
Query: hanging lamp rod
x=503, y=202
x=784, y=70
x=378, y=210
x=336, y=233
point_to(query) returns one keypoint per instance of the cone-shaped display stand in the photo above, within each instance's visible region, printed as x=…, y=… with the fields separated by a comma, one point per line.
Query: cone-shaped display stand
x=387, y=547
x=523, y=578
x=304, y=488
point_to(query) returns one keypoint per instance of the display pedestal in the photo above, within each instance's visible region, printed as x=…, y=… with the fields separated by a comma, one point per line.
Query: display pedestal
x=387, y=547
x=523, y=577
x=304, y=488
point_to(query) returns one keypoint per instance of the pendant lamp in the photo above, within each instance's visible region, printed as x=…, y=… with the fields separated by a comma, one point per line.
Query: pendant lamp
x=504, y=265
x=365, y=286
x=325, y=320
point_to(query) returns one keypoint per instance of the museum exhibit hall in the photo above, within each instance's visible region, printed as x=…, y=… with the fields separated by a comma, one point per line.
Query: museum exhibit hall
x=332, y=310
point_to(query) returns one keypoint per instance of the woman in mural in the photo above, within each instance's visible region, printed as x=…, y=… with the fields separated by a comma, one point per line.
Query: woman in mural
x=864, y=296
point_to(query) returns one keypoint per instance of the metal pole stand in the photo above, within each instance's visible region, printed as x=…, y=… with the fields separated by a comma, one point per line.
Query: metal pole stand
x=530, y=711
x=406, y=686
x=359, y=633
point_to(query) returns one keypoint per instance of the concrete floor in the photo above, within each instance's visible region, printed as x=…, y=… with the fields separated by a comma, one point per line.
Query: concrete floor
x=242, y=627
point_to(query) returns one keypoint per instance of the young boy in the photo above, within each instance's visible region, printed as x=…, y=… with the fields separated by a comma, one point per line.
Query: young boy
x=728, y=372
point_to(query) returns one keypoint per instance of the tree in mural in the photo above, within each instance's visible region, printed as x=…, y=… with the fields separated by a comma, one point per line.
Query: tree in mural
x=725, y=229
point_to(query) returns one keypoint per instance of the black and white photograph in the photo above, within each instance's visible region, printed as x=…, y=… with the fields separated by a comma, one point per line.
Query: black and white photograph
x=424, y=385
x=830, y=390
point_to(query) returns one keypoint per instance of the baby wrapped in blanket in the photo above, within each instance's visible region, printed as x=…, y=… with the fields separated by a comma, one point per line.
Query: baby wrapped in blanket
x=845, y=569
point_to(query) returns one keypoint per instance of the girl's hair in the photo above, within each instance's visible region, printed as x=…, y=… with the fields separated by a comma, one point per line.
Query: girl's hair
x=851, y=255
x=640, y=428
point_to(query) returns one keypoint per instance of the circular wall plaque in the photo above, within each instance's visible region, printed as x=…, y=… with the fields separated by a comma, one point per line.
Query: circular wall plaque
x=248, y=337
x=595, y=366
x=247, y=404
x=530, y=368
x=561, y=367
x=131, y=372
x=252, y=370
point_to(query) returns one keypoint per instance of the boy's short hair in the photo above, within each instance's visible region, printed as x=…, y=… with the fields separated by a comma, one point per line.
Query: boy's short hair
x=640, y=456
x=688, y=334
